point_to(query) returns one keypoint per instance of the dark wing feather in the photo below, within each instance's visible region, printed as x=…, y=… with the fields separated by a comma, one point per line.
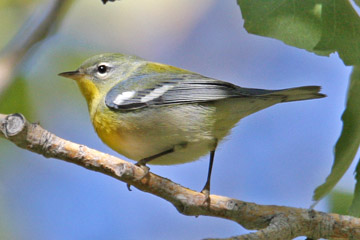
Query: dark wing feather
x=174, y=89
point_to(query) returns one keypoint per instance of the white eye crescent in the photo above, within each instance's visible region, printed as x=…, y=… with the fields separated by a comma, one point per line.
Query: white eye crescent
x=102, y=70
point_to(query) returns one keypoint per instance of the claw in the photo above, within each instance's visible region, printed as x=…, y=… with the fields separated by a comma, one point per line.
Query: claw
x=143, y=167
x=206, y=192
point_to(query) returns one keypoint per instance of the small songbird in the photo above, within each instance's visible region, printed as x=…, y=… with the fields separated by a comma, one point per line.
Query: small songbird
x=159, y=114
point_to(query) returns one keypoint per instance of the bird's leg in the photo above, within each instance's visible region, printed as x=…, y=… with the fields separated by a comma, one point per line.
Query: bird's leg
x=142, y=163
x=206, y=189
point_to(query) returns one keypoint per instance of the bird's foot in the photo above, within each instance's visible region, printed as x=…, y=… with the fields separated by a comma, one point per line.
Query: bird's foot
x=145, y=168
x=206, y=192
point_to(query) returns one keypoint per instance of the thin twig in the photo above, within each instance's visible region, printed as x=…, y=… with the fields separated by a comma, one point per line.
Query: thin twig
x=33, y=31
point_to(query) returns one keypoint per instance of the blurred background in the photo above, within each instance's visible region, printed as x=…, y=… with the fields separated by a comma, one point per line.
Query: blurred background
x=276, y=156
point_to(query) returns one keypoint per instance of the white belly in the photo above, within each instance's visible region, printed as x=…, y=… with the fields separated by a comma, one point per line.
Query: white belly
x=192, y=130
x=172, y=128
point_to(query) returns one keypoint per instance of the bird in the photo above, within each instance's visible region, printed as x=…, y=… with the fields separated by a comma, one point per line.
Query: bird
x=159, y=114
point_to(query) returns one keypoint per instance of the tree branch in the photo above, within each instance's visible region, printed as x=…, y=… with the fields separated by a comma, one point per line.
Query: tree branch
x=33, y=31
x=273, y=222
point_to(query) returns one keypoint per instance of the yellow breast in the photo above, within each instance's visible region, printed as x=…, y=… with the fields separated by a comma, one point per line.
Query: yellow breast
x=114, y=132
x=107, y=127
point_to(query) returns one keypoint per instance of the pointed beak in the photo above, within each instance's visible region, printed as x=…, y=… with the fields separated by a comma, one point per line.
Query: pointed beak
x=73, y=74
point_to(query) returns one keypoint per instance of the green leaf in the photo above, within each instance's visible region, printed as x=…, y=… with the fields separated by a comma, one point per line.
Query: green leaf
x=354, y=209
x=341, y=31
x=318, y=26
x=348, y=143
x=339, y=202
x=16, y=99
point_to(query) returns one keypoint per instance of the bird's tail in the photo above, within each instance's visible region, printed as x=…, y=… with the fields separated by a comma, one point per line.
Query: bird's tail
x=299, y=93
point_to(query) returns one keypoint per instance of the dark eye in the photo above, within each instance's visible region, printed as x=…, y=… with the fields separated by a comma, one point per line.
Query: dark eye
x=102, y=69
